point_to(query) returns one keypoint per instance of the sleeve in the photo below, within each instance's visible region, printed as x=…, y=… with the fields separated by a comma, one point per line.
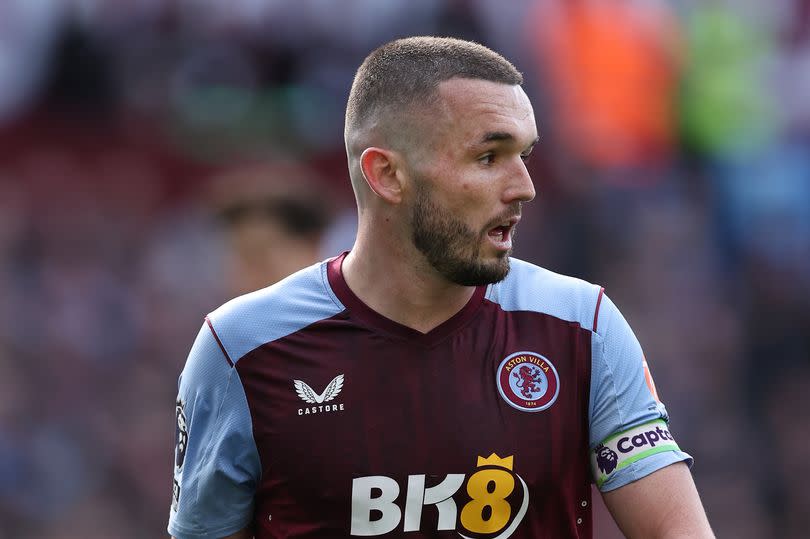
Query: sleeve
x=629, y=426
x=216, y=466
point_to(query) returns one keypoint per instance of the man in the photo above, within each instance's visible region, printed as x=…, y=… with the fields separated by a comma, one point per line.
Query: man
x=274, y=216
x=424, y=384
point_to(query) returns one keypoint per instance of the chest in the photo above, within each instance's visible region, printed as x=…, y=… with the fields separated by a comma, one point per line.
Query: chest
x=339, y=401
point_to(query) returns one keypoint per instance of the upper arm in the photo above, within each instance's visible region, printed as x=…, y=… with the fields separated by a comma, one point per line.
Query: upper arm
x=662, y=505
x=637, y=464
x=217, y=465
x=246, y=533
x=629, y=433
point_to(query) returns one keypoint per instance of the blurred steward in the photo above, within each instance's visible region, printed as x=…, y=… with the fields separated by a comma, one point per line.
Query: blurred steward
x=611, y=69
x=274, y=216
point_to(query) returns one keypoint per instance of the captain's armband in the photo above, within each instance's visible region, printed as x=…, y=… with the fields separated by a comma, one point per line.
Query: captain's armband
x=622, y=449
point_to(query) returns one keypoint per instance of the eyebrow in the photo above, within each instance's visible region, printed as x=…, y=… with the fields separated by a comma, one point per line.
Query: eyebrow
x=497, y=135
x=503, y=135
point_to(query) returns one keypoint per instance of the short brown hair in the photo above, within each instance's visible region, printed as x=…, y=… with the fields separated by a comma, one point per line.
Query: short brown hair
x=408, y=71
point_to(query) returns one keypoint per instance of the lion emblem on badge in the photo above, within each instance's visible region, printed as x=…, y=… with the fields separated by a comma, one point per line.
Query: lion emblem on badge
x=529, y=381
x=606, y=458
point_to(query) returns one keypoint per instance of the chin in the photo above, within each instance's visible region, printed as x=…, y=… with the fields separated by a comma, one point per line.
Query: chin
x=481, y=273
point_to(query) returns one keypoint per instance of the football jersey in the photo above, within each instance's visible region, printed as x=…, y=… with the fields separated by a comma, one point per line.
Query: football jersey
x=304, y=413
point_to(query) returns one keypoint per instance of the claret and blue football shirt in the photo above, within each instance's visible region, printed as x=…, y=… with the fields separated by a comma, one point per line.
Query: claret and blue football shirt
x=305, y=414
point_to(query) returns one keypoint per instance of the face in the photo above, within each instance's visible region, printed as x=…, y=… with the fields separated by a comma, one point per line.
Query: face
x=452, y=247
x=469, y=186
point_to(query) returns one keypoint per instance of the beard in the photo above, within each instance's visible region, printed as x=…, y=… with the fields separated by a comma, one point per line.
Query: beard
x=451, y=247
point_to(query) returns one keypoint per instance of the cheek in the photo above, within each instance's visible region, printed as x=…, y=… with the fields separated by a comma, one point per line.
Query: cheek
x=463, y=192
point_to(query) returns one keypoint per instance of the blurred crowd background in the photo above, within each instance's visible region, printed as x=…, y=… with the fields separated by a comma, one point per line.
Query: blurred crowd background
x=158, y=157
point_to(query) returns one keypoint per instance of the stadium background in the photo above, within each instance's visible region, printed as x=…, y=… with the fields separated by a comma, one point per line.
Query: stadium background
x=673, y=168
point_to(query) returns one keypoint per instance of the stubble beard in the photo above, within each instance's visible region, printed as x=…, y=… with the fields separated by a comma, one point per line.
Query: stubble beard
x=451, y=247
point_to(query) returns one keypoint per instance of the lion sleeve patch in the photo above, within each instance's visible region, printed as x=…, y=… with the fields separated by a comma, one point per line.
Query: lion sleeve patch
x=627, y=447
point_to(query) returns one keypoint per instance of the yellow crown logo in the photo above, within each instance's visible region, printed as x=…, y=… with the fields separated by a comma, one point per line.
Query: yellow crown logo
x=495, y=460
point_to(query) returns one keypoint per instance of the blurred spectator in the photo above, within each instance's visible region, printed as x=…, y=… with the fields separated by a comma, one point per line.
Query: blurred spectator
x=725, y=107
x=611, y=69
x=274, y=216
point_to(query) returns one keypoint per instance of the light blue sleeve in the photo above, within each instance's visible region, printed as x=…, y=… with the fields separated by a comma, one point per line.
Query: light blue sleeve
x=216, y=466
x=629, y=434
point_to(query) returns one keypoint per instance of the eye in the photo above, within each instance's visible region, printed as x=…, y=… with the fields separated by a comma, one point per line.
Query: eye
x=526, y=157
x=487, y=159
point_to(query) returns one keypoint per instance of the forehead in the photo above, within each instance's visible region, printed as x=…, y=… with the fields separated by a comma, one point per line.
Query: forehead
x=473, y=108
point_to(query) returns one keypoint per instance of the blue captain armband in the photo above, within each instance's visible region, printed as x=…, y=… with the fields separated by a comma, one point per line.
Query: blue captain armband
x=623, y=449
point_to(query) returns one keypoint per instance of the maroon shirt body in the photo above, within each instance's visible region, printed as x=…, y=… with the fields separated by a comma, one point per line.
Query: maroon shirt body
x=412, y=409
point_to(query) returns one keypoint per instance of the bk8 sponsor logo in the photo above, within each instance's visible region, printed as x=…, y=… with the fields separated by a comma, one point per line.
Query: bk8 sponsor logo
x=493, y=502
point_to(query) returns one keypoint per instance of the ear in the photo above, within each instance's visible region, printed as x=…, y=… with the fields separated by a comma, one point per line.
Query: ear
x=379, y=168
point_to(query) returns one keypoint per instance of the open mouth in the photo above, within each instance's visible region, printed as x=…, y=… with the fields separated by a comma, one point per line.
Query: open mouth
x=501, y=234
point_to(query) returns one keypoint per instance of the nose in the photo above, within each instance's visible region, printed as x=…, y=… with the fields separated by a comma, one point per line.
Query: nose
x=520, y=186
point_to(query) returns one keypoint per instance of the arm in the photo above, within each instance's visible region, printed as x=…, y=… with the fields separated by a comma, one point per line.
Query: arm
x=247, y=533
x=216, y=466
x=662, y=505
x=637, y=464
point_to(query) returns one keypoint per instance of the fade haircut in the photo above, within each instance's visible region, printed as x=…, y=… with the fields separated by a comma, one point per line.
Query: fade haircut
x=407, y=72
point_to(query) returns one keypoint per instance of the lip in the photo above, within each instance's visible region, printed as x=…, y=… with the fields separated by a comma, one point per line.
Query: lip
x=511, y=220
x=504, y=243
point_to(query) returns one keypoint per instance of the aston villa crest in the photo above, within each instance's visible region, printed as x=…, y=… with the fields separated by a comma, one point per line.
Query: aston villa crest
x=528, y=381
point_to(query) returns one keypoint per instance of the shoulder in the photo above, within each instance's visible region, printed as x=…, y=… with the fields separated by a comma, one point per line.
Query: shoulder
x=528, y=287
x=249, y=321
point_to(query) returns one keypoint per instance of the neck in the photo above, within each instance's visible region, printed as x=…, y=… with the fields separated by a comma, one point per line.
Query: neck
x=393, y=278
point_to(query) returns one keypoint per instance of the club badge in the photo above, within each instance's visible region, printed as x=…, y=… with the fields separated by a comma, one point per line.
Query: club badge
x=528, y=381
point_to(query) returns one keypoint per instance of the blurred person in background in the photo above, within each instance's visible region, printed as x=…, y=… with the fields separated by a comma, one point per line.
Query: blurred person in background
x=438, y=132
x=274, y=216
x=610, y=69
